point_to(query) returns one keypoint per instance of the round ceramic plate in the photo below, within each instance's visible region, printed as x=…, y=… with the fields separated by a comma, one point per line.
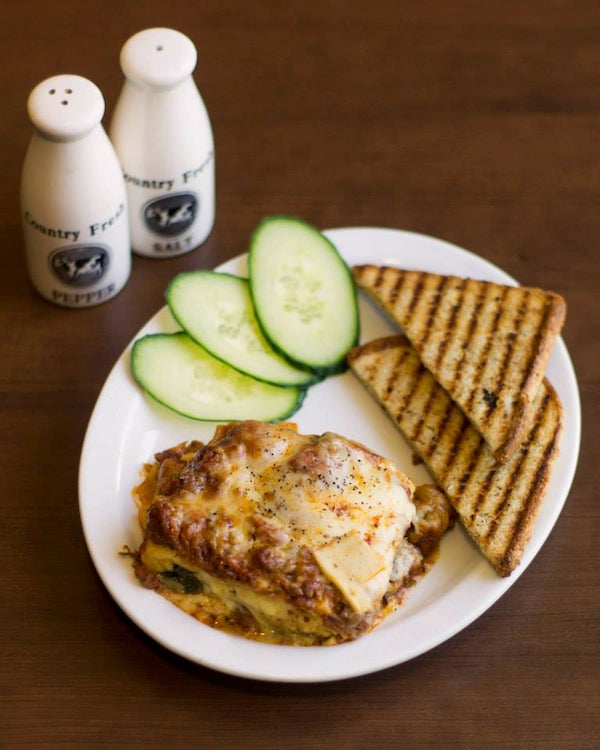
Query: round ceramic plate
x=127, y=428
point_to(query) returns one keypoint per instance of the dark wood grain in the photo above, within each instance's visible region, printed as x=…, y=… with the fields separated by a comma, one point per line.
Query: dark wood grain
x=472, y=121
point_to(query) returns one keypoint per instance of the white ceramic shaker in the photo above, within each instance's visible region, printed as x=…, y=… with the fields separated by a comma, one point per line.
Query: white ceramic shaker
x=162, y=134
x=73, y=197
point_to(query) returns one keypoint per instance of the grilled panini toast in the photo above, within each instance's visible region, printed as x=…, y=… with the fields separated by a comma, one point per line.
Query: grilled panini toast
x=487, y=344
x=497, y=503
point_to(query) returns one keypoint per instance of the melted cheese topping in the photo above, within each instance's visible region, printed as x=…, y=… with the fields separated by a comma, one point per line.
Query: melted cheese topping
x=348, y=506
x=351, y=510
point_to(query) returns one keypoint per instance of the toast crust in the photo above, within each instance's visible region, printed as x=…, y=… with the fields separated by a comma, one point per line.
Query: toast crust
x=497, y=503
x=487, y=344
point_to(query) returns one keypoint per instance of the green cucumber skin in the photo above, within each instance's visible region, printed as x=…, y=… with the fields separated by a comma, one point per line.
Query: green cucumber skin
x=322, y=370
x=309, y=377
x=149, y=339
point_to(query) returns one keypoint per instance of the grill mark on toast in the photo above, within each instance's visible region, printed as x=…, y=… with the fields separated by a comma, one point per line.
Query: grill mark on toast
x=483, y=490
x=420, y=372
x=480, y=365
x=370, y=371
x=535, y=347
x=509, y=351
x=442, y=470
x=468, y=336
x=370, y=278
x=534, y=494
x=433, y=306
x=417, y=289
x=395, y=290
x=442, y=429
x=466, y=475
x=395, y=371
x=500, y=508
x=450, y=325
x=379, y=276
x=425, y=412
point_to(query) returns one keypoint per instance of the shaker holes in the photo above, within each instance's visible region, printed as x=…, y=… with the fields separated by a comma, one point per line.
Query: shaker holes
x=64, y=101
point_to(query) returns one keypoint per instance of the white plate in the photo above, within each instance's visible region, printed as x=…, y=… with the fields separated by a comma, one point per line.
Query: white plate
x=126, y=429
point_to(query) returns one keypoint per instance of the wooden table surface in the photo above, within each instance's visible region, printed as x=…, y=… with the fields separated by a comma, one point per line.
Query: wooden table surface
x=472, y=121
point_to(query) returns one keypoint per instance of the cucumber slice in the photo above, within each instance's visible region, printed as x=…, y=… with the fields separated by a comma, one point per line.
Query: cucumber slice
x=303, y=293
x=216, y=310
x=183, y=376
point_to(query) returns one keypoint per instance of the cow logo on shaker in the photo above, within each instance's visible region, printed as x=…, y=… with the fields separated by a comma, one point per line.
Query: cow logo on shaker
x=80, y=265
x=171, y=214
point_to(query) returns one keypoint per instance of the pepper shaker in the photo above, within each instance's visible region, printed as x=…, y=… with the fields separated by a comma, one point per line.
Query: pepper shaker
x=73, y=197
x=162, y=134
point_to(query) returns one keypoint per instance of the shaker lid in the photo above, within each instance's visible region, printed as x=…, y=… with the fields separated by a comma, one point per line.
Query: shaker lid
x=65, y=107
x=159, y=58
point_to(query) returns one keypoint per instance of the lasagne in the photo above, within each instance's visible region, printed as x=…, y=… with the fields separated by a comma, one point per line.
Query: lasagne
x=282, y=537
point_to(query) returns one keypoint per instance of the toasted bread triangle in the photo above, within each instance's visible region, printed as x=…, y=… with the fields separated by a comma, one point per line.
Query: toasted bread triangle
x=497, y=503
x=487, y=344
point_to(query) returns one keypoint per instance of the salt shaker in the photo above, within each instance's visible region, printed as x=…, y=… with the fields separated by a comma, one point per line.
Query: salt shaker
x=163, y=137
x=73, y=197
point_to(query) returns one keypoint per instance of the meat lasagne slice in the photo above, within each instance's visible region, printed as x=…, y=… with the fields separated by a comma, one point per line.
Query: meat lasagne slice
x=278, y=536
